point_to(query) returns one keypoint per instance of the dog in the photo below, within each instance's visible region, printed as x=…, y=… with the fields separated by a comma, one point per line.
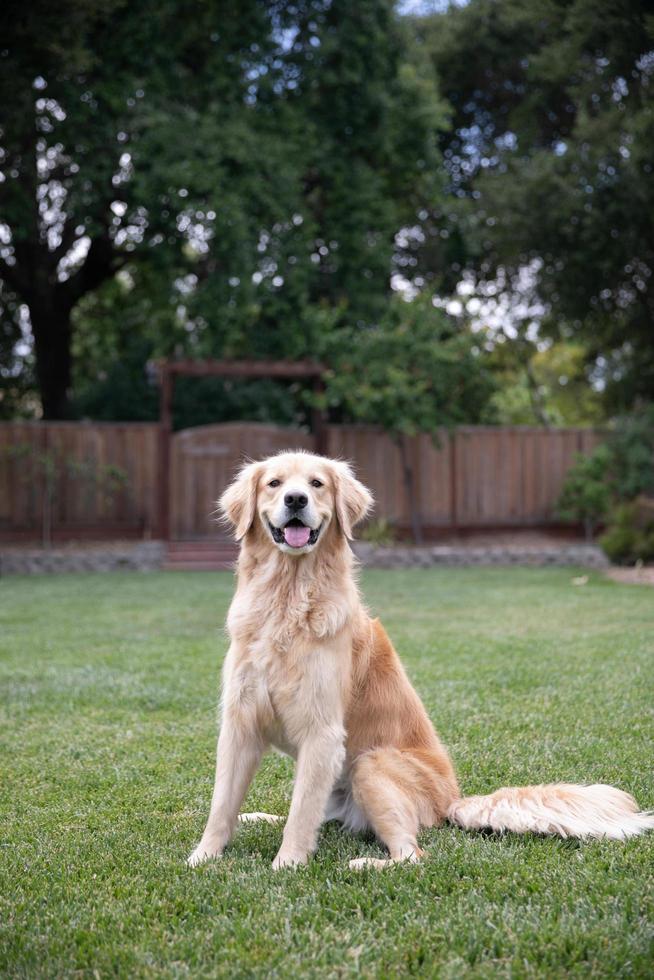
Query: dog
x=310, y=673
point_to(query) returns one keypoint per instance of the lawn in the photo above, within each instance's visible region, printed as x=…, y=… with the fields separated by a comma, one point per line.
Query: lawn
x=109, y=687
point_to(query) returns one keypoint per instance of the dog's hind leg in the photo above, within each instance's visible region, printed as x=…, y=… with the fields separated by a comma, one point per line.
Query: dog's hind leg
x=398, y=791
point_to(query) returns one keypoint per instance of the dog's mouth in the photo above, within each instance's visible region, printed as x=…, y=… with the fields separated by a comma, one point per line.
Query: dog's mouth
x=295, y=533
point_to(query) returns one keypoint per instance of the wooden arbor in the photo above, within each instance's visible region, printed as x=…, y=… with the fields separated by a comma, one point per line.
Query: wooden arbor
x=169, y=370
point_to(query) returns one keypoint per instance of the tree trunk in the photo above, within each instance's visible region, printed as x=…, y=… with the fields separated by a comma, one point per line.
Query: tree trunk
x=409, y=484
x=49, y=477
x=535, y=399
x=52, y=332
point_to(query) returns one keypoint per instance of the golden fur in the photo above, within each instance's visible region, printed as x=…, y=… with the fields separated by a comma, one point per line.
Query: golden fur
x=310, y=673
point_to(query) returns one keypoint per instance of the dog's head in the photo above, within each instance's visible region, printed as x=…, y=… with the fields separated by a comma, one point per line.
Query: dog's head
x=293, y=498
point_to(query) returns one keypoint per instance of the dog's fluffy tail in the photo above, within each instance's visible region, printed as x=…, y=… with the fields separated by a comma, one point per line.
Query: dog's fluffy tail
x=560, y=808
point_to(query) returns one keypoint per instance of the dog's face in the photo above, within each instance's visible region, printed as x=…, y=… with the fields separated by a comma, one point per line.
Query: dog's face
x=294, y=498
x=295, y=501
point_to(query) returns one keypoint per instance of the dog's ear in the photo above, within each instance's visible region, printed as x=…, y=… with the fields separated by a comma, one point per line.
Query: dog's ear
x=239, y=501
x=353, y=500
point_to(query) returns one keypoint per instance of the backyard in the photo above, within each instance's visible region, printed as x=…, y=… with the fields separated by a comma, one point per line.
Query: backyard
x=109, y=690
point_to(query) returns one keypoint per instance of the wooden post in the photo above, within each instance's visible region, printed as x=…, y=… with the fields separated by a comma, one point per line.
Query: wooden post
x=318, y=419
x=165, y=431
x=46, y=476
x=454, y=516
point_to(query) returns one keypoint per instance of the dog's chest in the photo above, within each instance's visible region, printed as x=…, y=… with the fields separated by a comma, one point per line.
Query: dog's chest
x=294, y=690
x=280, y=616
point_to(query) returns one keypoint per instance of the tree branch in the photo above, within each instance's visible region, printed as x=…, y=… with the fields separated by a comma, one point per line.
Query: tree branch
x=12, y=275
x=100, y=264
x=68, y=239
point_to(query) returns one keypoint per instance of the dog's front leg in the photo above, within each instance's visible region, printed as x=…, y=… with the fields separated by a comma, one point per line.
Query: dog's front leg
x=320, y=761
x=238, y=755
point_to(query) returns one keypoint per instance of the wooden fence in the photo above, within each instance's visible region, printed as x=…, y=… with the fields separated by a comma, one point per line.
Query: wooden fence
x=94, y=479
x=102, y=479
x=476, y=476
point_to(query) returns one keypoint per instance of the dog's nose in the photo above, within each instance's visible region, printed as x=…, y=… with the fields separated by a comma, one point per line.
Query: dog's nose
x=296, y=501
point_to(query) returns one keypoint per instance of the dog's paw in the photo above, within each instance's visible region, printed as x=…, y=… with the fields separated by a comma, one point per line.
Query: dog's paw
x=202, y=853
x=257, y=817
x=289, y=859
x=360, y=864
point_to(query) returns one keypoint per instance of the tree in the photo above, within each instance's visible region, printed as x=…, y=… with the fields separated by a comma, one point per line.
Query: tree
x=414, y=371
x=543, y=387
x=539, y=381
x=91, y=135
x=550, y=158
x=371, y=102
x=240, y=164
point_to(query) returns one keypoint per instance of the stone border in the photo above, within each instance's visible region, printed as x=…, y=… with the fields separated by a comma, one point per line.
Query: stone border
x=143, y=556
x=585, y=555
x=147, y=556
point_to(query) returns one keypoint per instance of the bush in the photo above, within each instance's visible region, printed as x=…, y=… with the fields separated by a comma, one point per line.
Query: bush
x=631, y=445
x=380, y=532
x=586, y=495
x=617, y=472
x=630, y=535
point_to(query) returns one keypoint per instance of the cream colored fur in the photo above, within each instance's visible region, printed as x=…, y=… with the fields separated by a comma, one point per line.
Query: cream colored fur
x=310, y=673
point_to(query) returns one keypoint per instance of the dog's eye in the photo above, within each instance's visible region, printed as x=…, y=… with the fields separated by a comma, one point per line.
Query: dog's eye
x=316, y=483
x=274, y=483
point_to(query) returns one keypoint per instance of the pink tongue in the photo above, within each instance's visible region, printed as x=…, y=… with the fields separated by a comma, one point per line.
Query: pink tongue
x=297, y=537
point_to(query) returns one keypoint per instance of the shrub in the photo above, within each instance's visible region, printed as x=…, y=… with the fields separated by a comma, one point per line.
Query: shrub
x=630, y=535
x=380, y=532
x=586, y=495
x=631, y=445
x=617, y=472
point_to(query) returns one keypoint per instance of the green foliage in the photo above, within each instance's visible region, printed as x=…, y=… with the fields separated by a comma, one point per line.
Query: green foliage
x=379, y=532
x=617, y=471
x=120, y=390
x=549, y=387
x=121, y=332
x=629, y=537
x=631, y=444
x=234, y=181
x=585, y=495
x=415, y=371
x=550, y=159
x=234, y=170
x=199, y=401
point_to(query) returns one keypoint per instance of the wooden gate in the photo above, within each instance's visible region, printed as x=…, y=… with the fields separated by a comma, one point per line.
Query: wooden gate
x=203, y=460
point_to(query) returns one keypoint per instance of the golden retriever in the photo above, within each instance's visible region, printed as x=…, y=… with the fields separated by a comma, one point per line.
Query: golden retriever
x=309, y=672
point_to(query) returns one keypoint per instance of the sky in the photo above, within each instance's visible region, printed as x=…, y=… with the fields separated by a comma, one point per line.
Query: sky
x=426, y=6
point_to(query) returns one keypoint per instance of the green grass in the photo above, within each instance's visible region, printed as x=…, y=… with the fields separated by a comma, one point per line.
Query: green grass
x=109, y=687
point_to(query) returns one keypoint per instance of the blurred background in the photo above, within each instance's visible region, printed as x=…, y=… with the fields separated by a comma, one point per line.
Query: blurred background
x=449, y=208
